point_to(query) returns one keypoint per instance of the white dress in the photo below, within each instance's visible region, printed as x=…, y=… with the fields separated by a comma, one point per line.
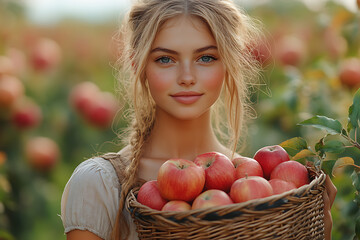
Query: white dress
x=90, y=200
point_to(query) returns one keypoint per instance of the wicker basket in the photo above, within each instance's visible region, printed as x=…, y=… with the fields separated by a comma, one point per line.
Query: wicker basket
x=297, y=214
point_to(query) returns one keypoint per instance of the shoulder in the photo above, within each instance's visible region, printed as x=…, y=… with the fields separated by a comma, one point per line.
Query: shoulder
x=126, y=151
x=96, y=167
x=91, y=177
x=90, y=197
x=123, y=155
x=101, y=165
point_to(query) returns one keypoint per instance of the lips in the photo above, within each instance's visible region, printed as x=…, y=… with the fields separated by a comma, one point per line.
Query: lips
x=186, y=97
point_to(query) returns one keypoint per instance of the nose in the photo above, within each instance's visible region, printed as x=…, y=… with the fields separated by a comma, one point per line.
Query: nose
x=186, y=75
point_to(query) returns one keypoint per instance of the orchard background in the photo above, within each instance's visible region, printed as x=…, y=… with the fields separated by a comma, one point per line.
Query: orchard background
x=46, y=130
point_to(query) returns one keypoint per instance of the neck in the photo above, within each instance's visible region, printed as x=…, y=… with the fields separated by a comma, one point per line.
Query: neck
x=174, y=138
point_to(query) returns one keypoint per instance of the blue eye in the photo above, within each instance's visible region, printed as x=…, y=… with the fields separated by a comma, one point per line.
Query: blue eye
x=207, y=59
x=164, y=60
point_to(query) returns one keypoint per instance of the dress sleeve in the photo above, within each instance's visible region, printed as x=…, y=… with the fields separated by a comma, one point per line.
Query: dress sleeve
x=91, y=197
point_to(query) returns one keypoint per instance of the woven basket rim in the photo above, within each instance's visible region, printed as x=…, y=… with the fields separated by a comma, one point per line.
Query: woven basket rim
x=264, y=203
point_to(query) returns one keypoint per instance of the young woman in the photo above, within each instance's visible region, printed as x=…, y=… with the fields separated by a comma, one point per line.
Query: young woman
x=189, y=69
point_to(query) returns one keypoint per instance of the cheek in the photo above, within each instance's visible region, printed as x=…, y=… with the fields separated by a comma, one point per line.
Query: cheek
x=213, y=79
x=158, y=80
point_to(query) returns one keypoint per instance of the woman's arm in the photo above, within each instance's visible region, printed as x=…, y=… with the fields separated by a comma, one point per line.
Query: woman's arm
x=81, y=235
x=90, y=200
x=329, y=197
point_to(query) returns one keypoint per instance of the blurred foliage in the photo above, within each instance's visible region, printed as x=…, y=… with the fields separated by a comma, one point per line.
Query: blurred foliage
x=301, y=79
x=311, y=87
x=30, y=197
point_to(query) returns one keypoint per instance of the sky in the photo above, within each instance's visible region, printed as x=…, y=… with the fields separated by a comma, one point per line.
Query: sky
x=51, y=11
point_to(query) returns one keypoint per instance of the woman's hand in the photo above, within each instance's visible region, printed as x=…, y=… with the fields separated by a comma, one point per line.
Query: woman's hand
x=329, y=197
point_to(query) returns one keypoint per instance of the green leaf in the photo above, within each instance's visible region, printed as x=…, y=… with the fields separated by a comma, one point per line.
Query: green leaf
x=5, y=235
x=311, y=160
x=354, y=112
x=357, y=227
x=303, y=154
x=318, y=147
x=294, y=145
x=330, y=125
x=349, y=125
x=333, y=146
x=303, y=161
x=327, y=166
x=343, y=162
x=355, y=176
x=344, y=132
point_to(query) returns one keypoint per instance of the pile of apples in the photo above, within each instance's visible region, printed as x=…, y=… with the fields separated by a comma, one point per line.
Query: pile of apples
x=20, y=110
x=212, y=179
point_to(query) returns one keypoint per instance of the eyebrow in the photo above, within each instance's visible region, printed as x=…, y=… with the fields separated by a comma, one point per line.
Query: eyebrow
x=199, y=50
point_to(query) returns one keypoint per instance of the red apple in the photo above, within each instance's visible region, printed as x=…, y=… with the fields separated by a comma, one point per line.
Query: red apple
x=82, y=95
x=180, y=179
x=262, y=52
x=3, y=158
x=45, y=55
x=219, y=170
x=176, y=206
x=250, y=188
x=290, y=50
x=335, y=44
x=269, y=157
x=102, y=110
x=291, y=171
x=7, y=66
x=26, y=113
x=42, y=153
x=18, y=59
x=11, y=89
x=149, y=195
x=280, y=186
x=247, y=167
x=211, y=198
x=349, y=72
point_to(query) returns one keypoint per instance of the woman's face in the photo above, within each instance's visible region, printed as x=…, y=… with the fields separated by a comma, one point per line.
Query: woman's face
x=184, y=70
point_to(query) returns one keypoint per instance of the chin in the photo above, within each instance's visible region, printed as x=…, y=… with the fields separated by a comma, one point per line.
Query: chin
x=184, y=113
x=191, y=115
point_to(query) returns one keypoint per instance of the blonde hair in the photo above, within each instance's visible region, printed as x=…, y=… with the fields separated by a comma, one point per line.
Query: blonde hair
x=234, y=33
